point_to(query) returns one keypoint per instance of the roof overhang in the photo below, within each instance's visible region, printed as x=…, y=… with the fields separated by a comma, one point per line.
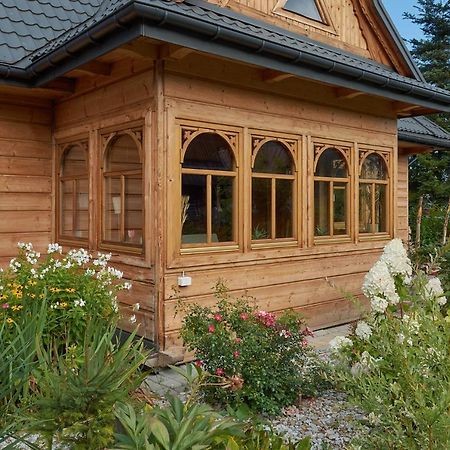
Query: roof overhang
x=214, y=30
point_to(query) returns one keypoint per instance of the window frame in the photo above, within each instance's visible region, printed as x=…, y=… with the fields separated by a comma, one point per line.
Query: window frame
x=136, y=134
x=319, y=148
x=62, y=149
x=364, y=153
x=187, y=133
x=291, y=145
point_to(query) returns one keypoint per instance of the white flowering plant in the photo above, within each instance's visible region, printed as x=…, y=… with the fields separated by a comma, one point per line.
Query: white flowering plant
x=396, y=362
x=76, y=286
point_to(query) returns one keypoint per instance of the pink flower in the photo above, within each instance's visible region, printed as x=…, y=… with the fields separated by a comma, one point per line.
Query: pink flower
x=211, y=328
x=267, y=319
x=308, y=332
x=198, y=363
x=236, y=355
x=5, y=306
x=218, y=317
x=305, y=343
x=243, y=316
x=238, y=340
x=220, y=372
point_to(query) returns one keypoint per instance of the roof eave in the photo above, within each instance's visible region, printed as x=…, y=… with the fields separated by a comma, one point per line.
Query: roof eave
x=429, y=141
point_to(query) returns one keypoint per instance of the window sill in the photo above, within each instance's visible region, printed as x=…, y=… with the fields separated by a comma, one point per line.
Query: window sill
x=209, y=249
x=331, y=240
x=273, y=244
x=374, y=237
x=113, y=247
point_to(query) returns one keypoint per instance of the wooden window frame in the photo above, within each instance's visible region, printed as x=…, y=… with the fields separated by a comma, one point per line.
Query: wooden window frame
x=136, y=134
x=291, y=145
x=386, y=157
x=188, y=132
x=346, y=151
x=62, y=149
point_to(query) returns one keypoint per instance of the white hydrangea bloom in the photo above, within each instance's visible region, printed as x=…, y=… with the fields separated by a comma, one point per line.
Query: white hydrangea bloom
x=434, y=289
x=379, y=282
x=363, y=330
x=378, y=304
x=340, y=342
x=397, y=260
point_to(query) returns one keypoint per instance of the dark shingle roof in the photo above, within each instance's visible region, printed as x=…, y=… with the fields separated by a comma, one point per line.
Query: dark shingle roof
x=27, y=25
x=423, y=131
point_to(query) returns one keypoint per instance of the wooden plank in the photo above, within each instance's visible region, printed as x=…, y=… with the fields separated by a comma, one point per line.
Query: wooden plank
x=25, y=148
x=25, y=201
x=8, y=242
x=25, y=221
x=25, y=166
x=33, y=184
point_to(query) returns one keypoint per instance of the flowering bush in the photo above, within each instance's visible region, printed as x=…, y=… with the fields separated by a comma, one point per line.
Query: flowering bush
x=396, y=363
x=75, y=287
x=252, y=356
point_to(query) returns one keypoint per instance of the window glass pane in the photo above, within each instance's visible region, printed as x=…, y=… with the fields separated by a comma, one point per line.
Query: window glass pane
x=380, y=208
x=284, y=208
x=133, y=210
x=365, y=208
x=112, y=209
x=340, y=209
x=74, y=162
x=261, y=208
x=273, y=157
x=81, y=218
x=332, y=164
x=373, y=168
x=321, y=208
x=67, y=192
x=123, y=155
x=307, y=8
x=222, y=209
x=194, y=206
x=208, y=151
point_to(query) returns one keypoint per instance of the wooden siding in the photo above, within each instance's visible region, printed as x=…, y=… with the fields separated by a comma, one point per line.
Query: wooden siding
x=402, y=198
x=25, y=174
x=103, y=105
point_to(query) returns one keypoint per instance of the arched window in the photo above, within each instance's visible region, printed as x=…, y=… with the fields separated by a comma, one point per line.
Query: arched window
x=74, y=192
x=208, y=205
x=123, y=205
x=373, y=195
x=331, y=192
x=273, y=181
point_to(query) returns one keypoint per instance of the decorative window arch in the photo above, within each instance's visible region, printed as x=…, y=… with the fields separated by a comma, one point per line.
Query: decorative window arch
x=73, y=192
x=209, y=187
x=123, y=204
x=273, y=189
x=331, y=191
x=374, y=193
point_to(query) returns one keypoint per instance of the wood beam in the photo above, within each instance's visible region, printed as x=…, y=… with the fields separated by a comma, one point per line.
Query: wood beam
x=404, y=109
x=347, y=93
x=140, y=49
x=95, y=68
x=174, y=52
x=61, y=85
x=273, y=76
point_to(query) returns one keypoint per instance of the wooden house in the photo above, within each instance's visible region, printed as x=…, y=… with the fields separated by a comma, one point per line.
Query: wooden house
x=255, y=141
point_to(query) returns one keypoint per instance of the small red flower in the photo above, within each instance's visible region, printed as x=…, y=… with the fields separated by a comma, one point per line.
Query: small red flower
x=218, y=317
x=305, y=343
x=236, y=355
x=5, y=306
x=211, y=328
x=220, y=372
x=238, y=340
x=244, y=316
x=198, y=363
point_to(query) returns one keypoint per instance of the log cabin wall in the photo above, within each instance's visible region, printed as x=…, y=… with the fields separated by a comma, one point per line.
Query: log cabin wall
x=103, y=107
x=25, y=174
x=307, y=275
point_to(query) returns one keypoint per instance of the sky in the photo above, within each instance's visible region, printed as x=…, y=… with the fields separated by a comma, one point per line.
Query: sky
x=396, y=8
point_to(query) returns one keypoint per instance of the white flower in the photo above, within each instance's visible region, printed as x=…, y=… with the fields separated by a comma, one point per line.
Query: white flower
x=23, y=246
x=411, y=323
x=115, y=273
x=363, y=330
x=397, y=260
x=54, y=248
x=115, y=306
x=133, y=319
x=90, y=272
x=379, y=282
x=434, y=290
x=379, y=304
x=127, y=286
x=339, y=342
x=102, y=259
x=80, y=256
x=136, y=307
x=15, y=265
x=80, y=302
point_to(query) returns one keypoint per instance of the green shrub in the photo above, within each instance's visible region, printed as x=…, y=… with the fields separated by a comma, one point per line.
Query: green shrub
x=396, y=364
x=75, y=287
x=252, y=356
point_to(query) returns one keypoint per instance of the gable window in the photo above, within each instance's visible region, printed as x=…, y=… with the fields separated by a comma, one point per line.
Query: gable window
x=209, y=200
x=273, y=181
x=74, y=192
x=373, y=195
x=331, y=192
x=122, y=190
x=306, y=8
